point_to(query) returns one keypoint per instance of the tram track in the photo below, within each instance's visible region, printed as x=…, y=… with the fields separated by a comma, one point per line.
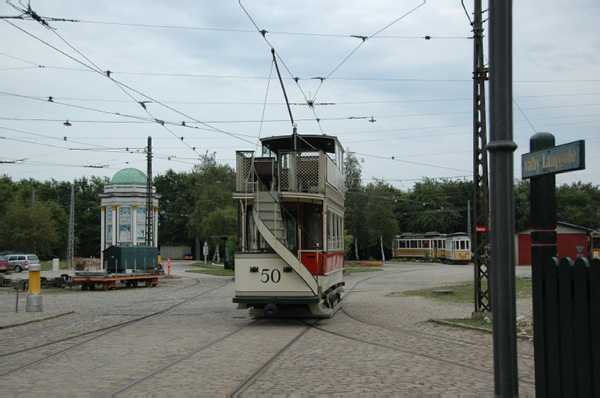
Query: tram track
x=207, y=347
x=435, y=358
x=104, y=331
x=37, y=330
x=252, y=375
x=405, y=330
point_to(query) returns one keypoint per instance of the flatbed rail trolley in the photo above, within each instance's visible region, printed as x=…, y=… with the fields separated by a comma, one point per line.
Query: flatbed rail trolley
x=89, y=280
x=290, y=226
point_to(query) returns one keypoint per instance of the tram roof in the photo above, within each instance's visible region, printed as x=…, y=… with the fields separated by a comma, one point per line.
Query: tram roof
x=326, y=143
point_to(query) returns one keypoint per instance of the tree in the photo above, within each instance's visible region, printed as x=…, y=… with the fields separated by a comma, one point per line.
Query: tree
x=380, y=218
x=219, y=222
x=31, y=228
x=433, y=210
x=176, y=204
x=213, y=189
x=578, y=204
x=354, y=218
x=522, y=207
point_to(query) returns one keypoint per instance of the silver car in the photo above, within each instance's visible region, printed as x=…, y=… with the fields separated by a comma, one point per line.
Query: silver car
x=19, y=262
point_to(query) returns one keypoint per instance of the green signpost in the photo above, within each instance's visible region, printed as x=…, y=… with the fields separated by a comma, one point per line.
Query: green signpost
x=541, y=165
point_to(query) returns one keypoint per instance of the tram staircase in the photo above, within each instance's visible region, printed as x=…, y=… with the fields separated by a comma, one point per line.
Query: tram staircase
x=268, y=218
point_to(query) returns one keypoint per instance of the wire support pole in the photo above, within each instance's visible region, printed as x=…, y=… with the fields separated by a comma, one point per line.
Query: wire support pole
x=149, y=236
x=502, y=147
x=71, y=237
x=481, y=216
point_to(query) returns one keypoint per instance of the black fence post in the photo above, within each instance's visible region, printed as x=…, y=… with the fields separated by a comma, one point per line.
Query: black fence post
x=543, y=249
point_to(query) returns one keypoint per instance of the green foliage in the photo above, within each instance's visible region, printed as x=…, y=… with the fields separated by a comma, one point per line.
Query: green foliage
x=175, y=206
x=231, y=249
x=433, y=210
x=348, y=242
x=56, y=197
x=219, y=222
x=578, y=204
x=214, y=212
x=522, y=207
x=381, y=222
x=354, y=218
x=30, y=228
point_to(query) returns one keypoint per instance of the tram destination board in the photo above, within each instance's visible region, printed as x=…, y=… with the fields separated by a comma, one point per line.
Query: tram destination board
x=554, y=160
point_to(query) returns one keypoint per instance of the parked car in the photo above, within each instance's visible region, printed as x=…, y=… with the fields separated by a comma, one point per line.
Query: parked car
x=3, y=264
x=19, y=262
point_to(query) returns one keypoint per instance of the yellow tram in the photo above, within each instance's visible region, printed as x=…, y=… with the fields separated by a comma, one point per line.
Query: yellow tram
x=454, y=248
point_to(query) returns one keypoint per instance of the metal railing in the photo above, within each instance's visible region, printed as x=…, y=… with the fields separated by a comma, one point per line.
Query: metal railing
x=293, y=171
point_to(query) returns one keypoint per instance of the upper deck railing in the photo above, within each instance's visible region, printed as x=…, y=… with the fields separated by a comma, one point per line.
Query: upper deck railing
x=292, y=171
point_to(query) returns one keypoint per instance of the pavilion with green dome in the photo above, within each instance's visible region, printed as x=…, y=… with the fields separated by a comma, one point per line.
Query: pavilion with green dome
x=123, y=210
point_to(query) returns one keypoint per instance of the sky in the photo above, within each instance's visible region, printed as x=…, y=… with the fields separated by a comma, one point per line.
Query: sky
x=198, y=77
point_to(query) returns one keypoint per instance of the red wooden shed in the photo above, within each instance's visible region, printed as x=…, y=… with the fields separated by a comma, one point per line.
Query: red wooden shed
x=572, y=241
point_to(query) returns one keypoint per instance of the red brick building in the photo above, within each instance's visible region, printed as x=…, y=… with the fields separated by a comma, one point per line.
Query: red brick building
x=572, y=241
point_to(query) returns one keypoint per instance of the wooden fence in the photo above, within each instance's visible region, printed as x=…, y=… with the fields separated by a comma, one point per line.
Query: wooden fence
x=567, y=328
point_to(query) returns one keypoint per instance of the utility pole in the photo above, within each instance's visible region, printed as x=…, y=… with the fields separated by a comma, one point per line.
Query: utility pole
x=149, y=202
x=71, y=237
x=481, y=202
x=502, y=147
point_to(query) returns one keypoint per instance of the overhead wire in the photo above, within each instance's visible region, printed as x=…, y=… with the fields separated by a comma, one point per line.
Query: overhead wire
x=310, y=101
x=393, y=158
x=272, y=32
x=364, y=40
x=122, y=86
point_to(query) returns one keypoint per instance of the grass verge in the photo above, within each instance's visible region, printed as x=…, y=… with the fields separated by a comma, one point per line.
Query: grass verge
x=464, y=292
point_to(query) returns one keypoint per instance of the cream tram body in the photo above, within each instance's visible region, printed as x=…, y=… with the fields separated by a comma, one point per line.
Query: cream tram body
x=290, y=226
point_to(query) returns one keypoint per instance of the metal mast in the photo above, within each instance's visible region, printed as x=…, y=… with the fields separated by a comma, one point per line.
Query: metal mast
x=481, y=205
x=71, y=237
x=149, y=203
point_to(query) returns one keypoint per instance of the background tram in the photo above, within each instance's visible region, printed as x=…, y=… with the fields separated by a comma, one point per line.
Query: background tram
x=290, y=226
x=455, y=248
x=594, y=245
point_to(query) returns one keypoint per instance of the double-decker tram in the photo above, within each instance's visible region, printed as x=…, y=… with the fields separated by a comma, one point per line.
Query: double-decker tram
x=290, y=226
x=454, y=248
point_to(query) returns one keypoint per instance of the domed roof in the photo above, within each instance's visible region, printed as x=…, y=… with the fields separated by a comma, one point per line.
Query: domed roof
x=129, y=176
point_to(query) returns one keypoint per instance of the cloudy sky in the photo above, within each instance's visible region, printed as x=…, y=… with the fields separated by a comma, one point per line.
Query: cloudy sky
x=205, y=75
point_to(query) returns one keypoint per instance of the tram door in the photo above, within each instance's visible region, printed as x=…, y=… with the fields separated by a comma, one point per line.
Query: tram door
x=595, y=246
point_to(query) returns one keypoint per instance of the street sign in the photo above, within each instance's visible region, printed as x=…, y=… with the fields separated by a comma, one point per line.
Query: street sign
x=554, y=160
x=480, y=229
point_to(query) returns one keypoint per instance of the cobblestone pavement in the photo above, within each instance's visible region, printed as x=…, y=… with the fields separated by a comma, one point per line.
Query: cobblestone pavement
x=377, y=346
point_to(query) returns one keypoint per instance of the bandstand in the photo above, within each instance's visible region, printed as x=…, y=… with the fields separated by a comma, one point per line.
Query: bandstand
x=123, y=210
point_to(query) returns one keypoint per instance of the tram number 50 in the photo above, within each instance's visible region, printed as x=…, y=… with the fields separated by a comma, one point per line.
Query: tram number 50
x=270, y=275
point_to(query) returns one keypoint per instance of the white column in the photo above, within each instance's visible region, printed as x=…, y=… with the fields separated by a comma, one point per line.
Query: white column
x=133, y=225
x=114, y=225
x=102, y=234
x=155, y=234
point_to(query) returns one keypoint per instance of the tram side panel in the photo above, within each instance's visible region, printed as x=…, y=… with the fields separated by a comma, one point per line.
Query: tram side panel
x=266, y=274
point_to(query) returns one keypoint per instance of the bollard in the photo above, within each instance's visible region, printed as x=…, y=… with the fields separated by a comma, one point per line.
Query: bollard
x=34, y=296
x=169, y=271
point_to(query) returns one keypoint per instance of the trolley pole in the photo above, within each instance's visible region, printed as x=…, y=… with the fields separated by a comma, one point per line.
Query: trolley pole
x=501, y=147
